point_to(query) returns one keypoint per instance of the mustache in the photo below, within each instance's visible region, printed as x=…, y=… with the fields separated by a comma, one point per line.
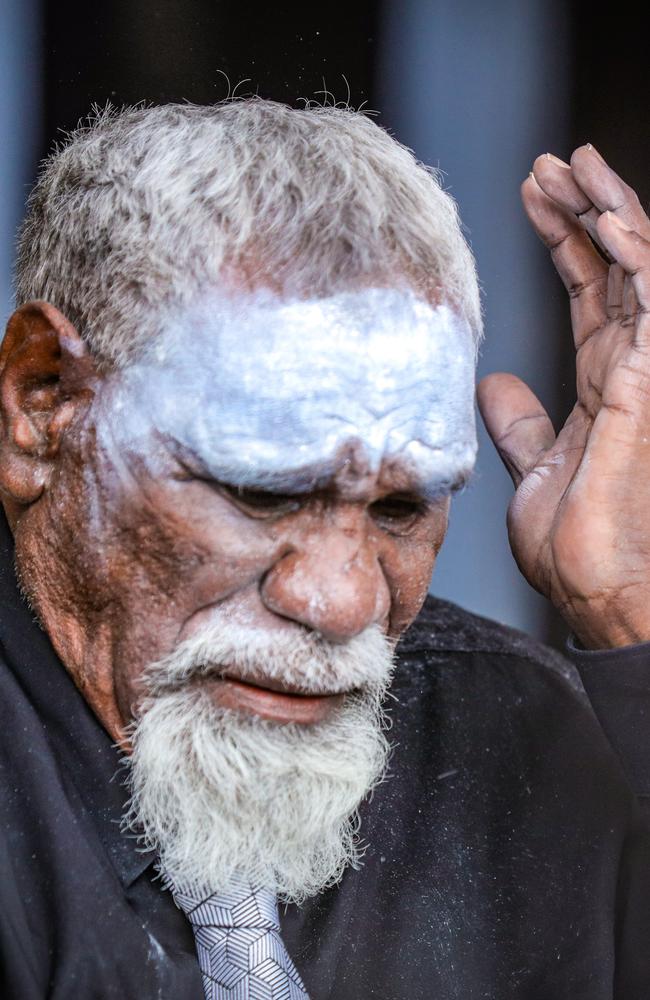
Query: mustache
x=303, y=659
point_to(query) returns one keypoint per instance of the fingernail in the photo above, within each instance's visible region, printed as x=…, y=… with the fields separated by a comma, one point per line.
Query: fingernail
x=557, y=161
x=618, y=222
x=592, y=149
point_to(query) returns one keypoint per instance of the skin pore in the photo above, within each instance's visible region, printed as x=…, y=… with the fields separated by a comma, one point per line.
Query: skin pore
x=125, y=545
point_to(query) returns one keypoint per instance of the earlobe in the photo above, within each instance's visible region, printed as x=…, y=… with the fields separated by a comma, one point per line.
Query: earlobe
x=46, y=372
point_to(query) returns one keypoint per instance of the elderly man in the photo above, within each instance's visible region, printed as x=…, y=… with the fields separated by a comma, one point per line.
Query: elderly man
x=236, y=398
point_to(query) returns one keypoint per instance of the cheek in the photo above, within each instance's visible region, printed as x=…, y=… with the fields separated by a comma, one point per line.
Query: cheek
x=408, y=564
x=181, y=551
x=203, y=548
x=154, y=547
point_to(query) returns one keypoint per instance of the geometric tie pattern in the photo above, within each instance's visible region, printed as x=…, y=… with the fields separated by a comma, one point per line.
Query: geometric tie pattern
x=241, y=953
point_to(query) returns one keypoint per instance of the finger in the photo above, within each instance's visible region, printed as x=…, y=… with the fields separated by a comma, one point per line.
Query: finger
x=536, y=501
x=632, y=252
x=615, y=291
x=581, y=268
x=516, y=421
x=556, y=179
x=607, y=191
x=630, y=304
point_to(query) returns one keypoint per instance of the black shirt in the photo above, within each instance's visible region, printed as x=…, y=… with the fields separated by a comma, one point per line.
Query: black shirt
x=618, y=684
x=506, y=853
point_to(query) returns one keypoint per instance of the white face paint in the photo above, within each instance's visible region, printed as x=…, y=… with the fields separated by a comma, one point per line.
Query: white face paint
x=266, y=392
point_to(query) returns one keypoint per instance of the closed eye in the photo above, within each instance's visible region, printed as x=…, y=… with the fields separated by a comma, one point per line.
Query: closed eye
x=398, y=512
x=262, y=503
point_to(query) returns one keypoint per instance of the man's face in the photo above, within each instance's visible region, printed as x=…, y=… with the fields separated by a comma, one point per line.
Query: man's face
x=286, y=468
x=245, y=522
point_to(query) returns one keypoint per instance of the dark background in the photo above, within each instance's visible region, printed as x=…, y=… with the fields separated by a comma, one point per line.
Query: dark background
x=126, y=51
x=165, y=50
x=477, y=88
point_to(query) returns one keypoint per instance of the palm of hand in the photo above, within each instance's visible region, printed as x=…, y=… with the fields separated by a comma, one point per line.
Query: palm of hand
x=579, y=522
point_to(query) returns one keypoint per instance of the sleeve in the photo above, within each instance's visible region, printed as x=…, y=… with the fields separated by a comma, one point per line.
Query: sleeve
x=632, y=966
x=617, y=682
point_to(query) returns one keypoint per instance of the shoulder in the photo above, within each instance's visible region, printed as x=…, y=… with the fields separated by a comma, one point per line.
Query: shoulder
x=444, y=631
x=509, y=714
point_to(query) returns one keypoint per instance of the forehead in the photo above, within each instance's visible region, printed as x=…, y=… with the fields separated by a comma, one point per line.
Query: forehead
x=266, y=392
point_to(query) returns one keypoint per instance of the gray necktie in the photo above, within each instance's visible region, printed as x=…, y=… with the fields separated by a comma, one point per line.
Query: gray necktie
x=241, y=953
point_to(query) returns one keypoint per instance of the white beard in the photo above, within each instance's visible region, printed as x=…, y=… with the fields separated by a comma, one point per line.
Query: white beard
x=222, y=795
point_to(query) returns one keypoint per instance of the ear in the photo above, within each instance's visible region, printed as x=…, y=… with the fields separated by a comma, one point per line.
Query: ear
x=46, y=374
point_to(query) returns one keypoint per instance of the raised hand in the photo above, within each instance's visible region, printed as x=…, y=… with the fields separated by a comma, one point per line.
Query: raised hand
x=579, y=522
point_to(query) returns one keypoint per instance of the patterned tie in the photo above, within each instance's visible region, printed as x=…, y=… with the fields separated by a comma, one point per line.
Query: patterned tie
x=241, y=953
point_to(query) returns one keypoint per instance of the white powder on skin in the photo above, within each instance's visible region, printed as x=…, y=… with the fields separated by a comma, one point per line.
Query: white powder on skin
x=264, y=392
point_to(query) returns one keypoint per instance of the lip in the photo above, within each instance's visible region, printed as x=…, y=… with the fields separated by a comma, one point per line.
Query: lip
x=280, y=706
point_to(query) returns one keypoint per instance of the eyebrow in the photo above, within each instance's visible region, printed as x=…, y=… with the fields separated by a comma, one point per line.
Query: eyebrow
x=305, y=480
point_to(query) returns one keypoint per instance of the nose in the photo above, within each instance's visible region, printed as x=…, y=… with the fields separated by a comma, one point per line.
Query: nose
x=332, y=583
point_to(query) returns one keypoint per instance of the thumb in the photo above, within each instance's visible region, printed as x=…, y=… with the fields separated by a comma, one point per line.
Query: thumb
x=516, y=421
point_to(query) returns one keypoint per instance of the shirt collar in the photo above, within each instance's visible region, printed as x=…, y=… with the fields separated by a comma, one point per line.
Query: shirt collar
x=81, y=746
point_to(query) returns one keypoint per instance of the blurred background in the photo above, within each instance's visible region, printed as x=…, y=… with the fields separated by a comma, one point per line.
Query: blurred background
x=476, y=88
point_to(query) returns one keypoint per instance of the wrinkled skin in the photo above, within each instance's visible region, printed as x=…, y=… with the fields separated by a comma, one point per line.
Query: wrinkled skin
x=124, y=554
x=579, y=521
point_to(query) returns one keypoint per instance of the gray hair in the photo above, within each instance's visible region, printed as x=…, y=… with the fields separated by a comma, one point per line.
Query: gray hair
x=144, y=208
